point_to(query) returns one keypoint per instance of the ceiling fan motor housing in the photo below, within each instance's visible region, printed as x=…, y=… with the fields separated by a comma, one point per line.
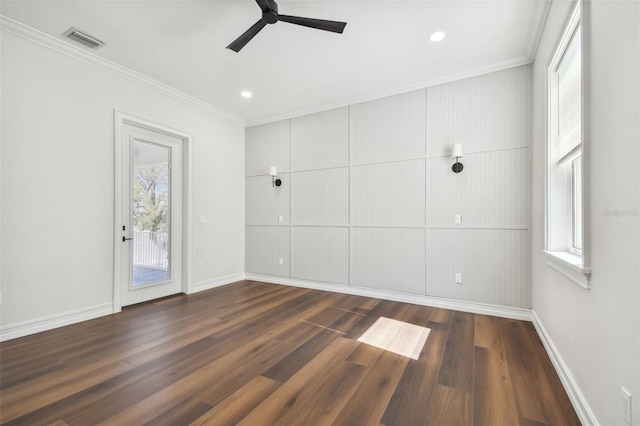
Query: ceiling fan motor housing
x=270, y=16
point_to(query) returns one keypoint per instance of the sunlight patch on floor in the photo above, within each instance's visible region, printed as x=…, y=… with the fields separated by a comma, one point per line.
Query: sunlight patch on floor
x=396, y=336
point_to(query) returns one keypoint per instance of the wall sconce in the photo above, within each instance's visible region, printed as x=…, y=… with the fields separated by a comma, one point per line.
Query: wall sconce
x=273, y=172
x=456, y=153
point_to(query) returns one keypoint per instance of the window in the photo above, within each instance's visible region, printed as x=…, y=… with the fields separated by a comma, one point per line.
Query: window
x=564, y=215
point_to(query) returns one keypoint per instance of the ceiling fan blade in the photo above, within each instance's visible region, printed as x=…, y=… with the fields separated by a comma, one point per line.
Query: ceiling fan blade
x=245, y=38
x=264, y=5
x=319, y=24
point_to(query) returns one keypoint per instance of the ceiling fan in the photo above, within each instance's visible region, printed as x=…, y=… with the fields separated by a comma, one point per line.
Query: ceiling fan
x=270, y=16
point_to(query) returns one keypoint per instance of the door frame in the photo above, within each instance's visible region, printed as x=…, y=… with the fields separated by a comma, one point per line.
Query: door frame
x=121, y=118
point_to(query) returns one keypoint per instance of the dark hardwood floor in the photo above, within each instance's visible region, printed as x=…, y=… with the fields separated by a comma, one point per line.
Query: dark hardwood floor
x=252, y=353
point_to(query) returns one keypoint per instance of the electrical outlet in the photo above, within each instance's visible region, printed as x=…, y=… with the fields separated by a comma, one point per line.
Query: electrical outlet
x=199, y=266
x=626, y=405
x=280, y=261
x=457, y=219
x=458, y=278
x=279, y=219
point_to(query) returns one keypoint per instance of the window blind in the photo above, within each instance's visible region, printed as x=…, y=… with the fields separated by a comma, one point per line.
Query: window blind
x=570, y=96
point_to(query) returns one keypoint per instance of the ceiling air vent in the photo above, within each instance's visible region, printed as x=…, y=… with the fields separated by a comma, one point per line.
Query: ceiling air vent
x=83, y=38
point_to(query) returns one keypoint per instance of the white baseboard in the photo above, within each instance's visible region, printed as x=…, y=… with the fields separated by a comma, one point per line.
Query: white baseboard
x=437, y=302
x=13, y=331
x=206, y=285
x=580, y=404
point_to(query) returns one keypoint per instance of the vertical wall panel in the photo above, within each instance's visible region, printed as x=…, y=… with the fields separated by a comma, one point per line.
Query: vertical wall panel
x=320, y=197
x=268, y=145
x=491, y=190
x=321, y=254
x=320, y=140
x=365, y=167
x=387, y=129
x=389, y=193
x=492, y=111
x=391, y=259
x=265, y=245
x=493, y=264
x=266, y=202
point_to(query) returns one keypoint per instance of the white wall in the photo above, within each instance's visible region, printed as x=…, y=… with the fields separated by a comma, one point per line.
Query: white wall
x=368, y=196
x=596, y=332
x=58, y=182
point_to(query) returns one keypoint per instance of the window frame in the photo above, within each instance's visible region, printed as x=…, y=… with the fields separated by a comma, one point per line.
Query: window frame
x=560, y=213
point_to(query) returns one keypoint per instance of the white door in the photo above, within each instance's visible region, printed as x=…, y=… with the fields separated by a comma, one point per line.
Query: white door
x=152, y=215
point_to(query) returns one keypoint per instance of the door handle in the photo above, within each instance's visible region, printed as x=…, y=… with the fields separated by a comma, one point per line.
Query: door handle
x=126, y=239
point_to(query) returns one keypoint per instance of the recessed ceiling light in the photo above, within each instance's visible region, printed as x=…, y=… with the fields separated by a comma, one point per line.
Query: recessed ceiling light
x=437, y=36
x=246, y=94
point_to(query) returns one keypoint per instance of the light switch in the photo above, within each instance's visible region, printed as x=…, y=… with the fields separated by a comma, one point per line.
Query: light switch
x=457, y=219
x=202, y=219
x=279, y=219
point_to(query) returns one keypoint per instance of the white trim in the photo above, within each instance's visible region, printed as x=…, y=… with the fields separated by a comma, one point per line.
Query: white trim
x=219, y=282
x=421, y=84
x=120, y=118
x=26, y=328
x=579, y=402
x=535, y=41
x=416, y=299
x=569, y=265
x=61, y=46
x=578, y=269
x=490, y=227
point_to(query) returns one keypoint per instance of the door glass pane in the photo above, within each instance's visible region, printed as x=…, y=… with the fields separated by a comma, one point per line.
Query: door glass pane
x=151, y=195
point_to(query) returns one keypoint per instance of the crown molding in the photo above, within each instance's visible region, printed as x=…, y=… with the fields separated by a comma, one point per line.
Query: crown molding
x=35, y=36
x=417, y=85
x=534, y=42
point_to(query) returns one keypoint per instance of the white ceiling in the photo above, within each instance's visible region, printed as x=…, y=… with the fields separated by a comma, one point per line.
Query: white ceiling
x=291, y=69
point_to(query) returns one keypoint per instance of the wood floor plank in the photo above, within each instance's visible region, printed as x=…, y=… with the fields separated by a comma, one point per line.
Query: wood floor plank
x=367, y=404
x=487, y=332
x=18, y=402
x=291, y=364
x=357, y=304
x=365, y=355
x=182, y=413
x=237, y=377
x=383, y=309
x=324, y=317
x=450, y=407
x=440, y=315
x=94, y=402
x=381, y=380
x=456, y=370
x=73, y=376
x=530, y=387
x=294, y=392
x=418, y=378
x=236, y=406
x=493, y=402
x=219, y=372
x=325, y=404
x=200, y=359
x=562, y=411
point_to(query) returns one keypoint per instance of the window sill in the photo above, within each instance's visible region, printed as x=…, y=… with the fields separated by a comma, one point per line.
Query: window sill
x=569, y=265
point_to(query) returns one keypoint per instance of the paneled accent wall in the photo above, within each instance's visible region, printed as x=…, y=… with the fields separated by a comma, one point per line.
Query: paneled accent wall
x=369, y=199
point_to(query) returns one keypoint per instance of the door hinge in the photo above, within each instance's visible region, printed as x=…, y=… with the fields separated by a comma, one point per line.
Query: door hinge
x=169, y=165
